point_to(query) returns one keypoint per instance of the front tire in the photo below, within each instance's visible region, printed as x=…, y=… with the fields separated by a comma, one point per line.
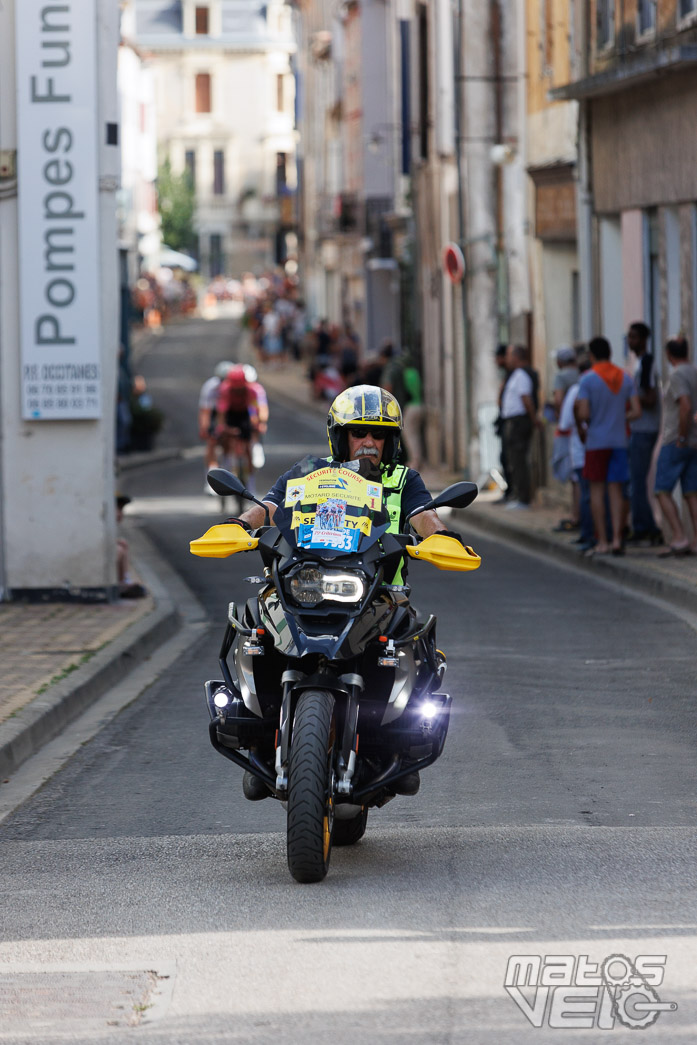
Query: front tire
x=311, y=787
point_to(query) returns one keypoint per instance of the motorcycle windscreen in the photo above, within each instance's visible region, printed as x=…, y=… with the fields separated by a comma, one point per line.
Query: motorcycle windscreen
x=332, y=511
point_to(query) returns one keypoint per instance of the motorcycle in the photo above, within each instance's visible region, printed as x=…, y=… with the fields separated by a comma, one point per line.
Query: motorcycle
x=330, y=691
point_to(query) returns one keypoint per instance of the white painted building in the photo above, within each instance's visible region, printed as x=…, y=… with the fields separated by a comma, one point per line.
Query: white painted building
x=225, y=97
x=138, y=218
x=59, y=172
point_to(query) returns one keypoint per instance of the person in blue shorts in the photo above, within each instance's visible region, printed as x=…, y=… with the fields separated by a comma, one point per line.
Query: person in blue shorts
x=606, y=402
x=677, y=460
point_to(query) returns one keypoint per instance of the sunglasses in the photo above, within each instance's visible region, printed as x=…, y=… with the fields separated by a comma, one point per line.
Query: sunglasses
x=361, y=433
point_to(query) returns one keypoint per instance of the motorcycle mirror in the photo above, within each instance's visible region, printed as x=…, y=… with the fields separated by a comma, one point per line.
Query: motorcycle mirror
x=459, y=495
x=226, y=483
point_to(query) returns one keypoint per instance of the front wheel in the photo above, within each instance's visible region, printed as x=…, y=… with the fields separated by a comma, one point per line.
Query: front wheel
x=311, y=787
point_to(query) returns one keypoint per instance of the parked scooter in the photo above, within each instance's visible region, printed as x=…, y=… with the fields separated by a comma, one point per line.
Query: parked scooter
x=330, y=693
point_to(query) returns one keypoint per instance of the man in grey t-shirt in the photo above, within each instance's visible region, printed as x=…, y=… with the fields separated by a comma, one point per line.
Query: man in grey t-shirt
x=677, y=461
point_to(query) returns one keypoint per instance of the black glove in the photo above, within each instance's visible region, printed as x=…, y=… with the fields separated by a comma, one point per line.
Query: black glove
x=240, y=522
x=451, y=533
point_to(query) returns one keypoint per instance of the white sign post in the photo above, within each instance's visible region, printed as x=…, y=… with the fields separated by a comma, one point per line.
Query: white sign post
x=58, y=210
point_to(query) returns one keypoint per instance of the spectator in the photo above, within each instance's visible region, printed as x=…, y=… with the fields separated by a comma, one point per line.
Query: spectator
x=677, y=460
x=566, y=377
x=378, y=368
x=403, y=380
x=643, y=436
x=577, y=457
x=324, y=344
x=519, y=415
x=605, y=402
x=414, y=414
x=349, y=350
x=127, y=587
x=123, y=405
x=271, y=340
x=500, y=356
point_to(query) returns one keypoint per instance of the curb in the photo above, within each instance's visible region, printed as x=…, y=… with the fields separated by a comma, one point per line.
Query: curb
x=645, y=582
x=47, y=716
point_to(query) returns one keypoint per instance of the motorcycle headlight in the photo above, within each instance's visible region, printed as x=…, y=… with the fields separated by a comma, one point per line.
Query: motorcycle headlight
x=342, y=587
x=310, y=586
x=306, y=586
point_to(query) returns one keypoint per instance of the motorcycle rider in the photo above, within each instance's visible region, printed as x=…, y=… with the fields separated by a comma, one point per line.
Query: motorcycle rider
x=365, y=424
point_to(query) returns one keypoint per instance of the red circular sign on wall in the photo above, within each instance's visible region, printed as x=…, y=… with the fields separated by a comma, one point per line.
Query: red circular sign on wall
x=453, y=262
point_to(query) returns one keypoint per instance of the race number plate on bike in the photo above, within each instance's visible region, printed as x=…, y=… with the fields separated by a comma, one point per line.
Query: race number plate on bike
x=332, y=508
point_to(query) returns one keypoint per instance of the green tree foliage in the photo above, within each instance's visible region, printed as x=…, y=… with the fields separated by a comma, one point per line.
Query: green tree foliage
x=176, y=204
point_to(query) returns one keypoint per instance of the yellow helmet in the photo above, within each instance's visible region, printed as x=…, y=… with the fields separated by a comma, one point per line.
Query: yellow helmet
x=359, y=406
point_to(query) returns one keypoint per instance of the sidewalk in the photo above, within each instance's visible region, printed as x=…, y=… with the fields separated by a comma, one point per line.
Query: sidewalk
x=641, y=569
x=58, y=658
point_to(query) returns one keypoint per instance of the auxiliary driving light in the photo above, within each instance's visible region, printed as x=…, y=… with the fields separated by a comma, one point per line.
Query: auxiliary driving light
x=221, y=699
x=429, y=709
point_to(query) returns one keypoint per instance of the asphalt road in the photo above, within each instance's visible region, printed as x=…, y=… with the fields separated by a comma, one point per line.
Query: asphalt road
x=559, y=821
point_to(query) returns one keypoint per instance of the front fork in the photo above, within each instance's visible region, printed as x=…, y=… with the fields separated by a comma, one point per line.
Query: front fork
x=350, y=687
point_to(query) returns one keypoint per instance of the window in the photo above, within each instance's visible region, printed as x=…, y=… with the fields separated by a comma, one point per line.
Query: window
x=202, y=21
x=280, y=173
x=687, y=7
x=646, y=16
x=279, y=92
x=652, y=277
x=671, y=229
x=190, y=166
x=605, y=23
x=216, y=258
x=218, y=172
x=203, y=92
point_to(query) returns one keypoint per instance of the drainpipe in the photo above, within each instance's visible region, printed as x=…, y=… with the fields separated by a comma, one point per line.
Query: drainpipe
x=501, y=266
x=466, y=359
x=584, y=197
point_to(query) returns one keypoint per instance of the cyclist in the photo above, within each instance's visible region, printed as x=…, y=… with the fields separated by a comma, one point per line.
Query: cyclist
x=234, y=423
x=207, y=416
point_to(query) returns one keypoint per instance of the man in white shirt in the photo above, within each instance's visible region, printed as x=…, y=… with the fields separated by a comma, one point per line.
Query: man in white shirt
x=519, y=421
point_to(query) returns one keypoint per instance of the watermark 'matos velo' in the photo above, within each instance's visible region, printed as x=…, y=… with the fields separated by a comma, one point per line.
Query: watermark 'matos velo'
x=564, y=990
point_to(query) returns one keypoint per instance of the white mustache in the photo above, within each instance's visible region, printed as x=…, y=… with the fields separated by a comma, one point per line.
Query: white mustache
x=367, y=451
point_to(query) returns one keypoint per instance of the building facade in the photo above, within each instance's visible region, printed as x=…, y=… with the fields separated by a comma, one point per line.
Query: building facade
x=225, y=99
x=636, y=93
x=350, y=133
x=412, y=133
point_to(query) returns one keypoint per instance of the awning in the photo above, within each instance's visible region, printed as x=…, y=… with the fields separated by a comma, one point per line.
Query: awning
x=629, y=72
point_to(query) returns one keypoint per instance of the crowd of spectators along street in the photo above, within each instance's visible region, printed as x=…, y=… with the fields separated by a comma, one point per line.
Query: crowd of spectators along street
x=623, y=441
x=333, y=355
